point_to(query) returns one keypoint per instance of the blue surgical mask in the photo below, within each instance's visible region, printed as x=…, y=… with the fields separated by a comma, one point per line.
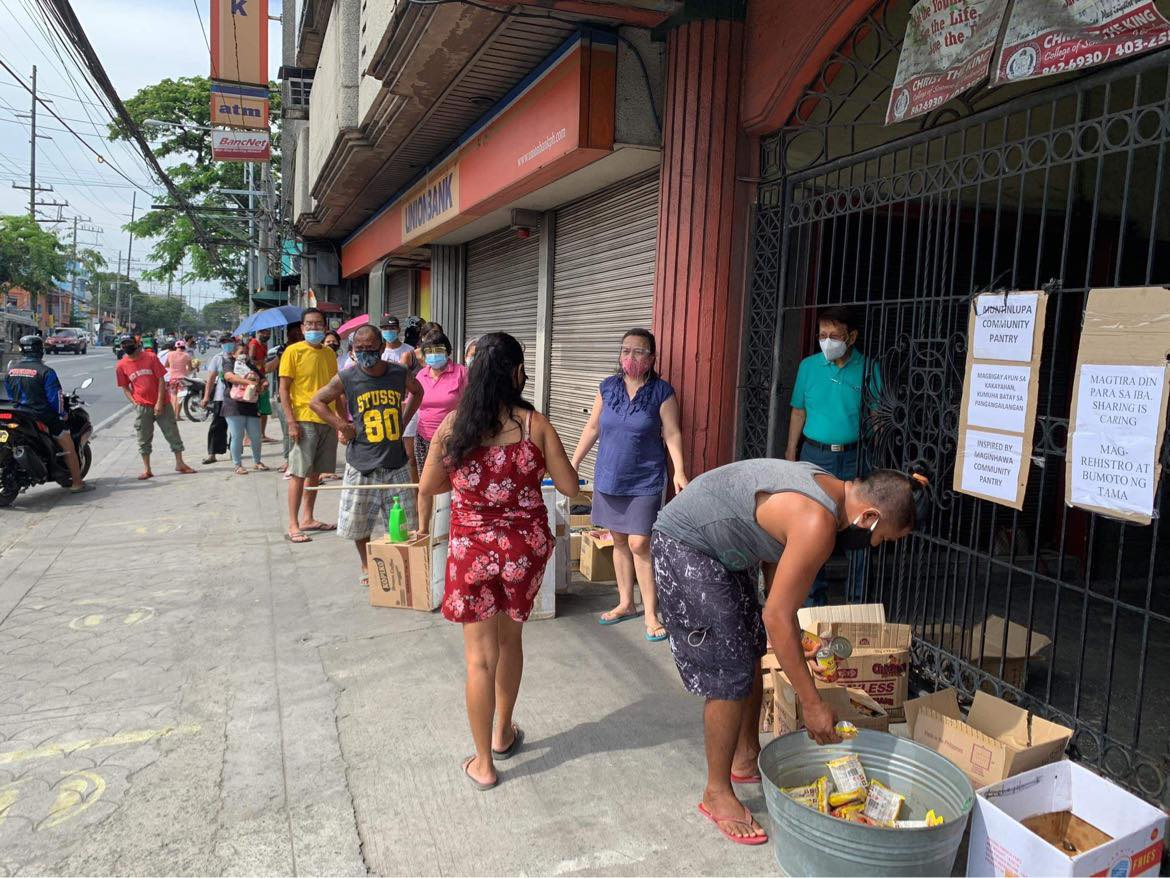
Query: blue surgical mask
x=390, y=335
x=367, y=359
x=229, y=349
x=314, y=336
x=470, y=360
x=436, y=361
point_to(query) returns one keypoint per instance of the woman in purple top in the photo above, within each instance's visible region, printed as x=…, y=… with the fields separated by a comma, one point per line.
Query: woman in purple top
x=635, y=414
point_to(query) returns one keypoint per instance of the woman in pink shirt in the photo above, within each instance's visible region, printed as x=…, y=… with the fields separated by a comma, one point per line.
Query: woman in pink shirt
x=178, y=368
x=443, y=383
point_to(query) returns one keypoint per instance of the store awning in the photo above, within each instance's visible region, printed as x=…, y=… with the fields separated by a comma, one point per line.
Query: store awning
x=271, y=297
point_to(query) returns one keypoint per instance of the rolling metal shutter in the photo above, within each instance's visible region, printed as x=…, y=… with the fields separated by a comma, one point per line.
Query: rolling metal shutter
x=603, y=284
x=501, y=291
x=398, y=291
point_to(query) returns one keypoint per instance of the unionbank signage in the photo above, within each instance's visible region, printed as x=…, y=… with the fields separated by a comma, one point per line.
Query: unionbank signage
x=239, y=40
x=432, y=203
x=557, y=120
x=239, y=106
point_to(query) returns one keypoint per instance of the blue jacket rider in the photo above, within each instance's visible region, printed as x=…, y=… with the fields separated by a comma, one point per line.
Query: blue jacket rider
x=34, y=386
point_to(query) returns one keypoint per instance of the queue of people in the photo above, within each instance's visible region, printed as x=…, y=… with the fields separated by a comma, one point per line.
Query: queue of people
x=416, y=424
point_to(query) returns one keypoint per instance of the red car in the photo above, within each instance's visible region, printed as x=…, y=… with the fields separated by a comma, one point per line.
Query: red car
x=65, y=340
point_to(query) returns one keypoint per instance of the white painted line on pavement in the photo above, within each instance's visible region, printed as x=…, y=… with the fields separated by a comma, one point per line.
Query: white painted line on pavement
x=105, y=423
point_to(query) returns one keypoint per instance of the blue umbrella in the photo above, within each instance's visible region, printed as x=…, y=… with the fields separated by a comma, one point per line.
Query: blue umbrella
x=282, y=315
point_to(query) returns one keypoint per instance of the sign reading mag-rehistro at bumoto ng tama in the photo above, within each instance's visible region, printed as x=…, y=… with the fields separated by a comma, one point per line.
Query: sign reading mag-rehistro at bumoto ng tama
x=1045, y=37
x=947, y=49
x=998, y=413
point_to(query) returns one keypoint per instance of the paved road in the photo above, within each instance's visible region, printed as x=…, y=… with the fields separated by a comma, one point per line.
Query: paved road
x=103, y=398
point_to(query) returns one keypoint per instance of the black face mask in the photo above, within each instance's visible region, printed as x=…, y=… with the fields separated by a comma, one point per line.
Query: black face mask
x=855, y=537
x=333, y=347
x=129, y=348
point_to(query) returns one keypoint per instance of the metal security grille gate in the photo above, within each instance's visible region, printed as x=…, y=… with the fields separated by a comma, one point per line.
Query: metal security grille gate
x=502, y=291
x=1062, y=185
x=398, y=295
x=603, y=284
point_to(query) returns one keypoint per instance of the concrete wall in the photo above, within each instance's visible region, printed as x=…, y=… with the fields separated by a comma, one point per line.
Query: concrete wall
x=302, y=200
x=333, y=104
x=376, y=18
x=637, y=98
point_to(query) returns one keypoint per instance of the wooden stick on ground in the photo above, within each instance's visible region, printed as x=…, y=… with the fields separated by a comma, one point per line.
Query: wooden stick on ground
x=359, y=487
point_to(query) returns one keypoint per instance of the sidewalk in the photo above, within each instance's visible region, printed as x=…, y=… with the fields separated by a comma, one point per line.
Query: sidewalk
x=184, y=692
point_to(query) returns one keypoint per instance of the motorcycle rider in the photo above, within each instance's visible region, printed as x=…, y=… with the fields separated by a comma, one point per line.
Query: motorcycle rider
x=34, y=386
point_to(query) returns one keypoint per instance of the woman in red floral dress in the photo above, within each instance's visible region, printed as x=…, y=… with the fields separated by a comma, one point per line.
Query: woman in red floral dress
x=493, y=453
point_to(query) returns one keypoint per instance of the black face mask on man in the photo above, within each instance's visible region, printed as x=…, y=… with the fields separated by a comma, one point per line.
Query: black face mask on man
x=855, y=537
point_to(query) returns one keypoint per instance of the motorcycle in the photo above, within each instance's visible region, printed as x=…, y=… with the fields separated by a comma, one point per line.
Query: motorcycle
x=192, y=394
x=29, y=455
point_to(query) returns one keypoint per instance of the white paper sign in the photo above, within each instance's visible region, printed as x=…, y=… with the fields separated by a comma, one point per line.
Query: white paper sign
x=991, y=464
x=999, y=397
x=1004, y=326
x=1114, y=439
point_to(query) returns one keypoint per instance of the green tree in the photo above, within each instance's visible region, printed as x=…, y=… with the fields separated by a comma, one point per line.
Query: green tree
x=221, y=314
x=30, y=257
x=186, y=154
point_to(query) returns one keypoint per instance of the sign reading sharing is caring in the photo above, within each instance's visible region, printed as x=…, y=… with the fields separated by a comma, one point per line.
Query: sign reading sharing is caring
x=998, y=413
x=1118, y=416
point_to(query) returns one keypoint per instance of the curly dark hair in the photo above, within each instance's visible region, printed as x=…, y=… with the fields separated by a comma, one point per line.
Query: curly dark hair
x=490, y=391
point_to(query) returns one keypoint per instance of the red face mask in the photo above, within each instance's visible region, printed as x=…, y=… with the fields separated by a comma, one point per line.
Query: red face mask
x=635, y=367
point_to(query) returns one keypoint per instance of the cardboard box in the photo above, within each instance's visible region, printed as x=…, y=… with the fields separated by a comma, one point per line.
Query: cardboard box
x=574, y=548
x=996, y=741
x=851, y=705
x=880, y=663
x=1063, y=819
x=983, y=644
x=400, y=574
x=583, y=498
x=597, y=556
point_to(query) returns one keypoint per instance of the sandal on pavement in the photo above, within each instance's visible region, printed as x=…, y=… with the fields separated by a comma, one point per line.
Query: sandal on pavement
x=747, y=820
x=81, y=489
x=364, y=582
x=260, y=468
x=745, y=778
x=319, y=526
x=479, y=785
x=240, y=471
x=298, y=537
x=210, y=459
x=184, y=470
x=613, y=620
x=656, y=636
x=513, y=748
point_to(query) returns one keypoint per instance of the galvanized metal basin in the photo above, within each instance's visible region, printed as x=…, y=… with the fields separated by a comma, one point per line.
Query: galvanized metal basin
x=807, y=842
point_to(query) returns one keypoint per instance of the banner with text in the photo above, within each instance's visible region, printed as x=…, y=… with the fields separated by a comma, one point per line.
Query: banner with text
x=998, y=413
x=947, y=49
x=1045, y=37
x=1118, y=415
x=239, y=106
x=240, y=146
x=239, y=41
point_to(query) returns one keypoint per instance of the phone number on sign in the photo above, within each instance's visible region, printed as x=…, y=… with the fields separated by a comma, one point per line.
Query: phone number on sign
x=1089, y=59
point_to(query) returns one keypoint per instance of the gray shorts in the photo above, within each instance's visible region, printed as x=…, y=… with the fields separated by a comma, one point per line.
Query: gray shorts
x=315, y=453
x=364, y=514
x=713, y=617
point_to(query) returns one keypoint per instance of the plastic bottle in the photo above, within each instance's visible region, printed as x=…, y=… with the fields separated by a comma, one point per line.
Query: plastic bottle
x=396, y=524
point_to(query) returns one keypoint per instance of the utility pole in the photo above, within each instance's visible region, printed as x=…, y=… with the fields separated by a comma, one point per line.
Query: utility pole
x=118, y=291
x=130, y=250
x=250, y=179
x=32, y=161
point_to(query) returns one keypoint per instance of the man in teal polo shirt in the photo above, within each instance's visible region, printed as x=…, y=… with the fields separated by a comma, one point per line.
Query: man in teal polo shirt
x=826, y=414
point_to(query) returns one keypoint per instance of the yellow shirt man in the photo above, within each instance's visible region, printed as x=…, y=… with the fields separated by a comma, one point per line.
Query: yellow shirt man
x=308, y=370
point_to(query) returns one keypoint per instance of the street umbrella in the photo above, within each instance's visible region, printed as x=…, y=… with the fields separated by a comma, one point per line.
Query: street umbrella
x=350, y=325
x=282, y=315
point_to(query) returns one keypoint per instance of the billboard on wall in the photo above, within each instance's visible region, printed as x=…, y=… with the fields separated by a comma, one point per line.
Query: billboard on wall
x=1046, y=37
x=239, y=41
x=947, y=49
x=239, y=106
x=240, y=146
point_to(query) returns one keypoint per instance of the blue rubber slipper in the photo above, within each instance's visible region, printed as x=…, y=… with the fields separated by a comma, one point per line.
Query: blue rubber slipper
x=655, y=638
x=601, y=620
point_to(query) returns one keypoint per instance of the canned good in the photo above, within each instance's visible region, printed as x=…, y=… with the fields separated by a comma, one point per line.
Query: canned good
x=809, y=642
x=827, y=664
x=840, y=647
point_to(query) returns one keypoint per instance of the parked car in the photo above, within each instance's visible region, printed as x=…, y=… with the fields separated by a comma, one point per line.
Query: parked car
x=66, y=340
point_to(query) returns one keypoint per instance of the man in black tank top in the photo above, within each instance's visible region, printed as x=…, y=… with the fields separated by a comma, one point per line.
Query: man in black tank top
x=375, y=394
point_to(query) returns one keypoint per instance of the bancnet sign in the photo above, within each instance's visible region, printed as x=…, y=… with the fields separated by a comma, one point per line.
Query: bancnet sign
x=240, y=146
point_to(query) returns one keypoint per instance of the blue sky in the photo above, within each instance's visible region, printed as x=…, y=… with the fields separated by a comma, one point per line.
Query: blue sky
x=139, y=43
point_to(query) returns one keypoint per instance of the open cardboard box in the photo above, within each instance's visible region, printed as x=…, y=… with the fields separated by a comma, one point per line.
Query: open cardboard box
x=984, y=645
x=880, y=663
x=996, y=741
x=850, y=705
x=597, y=556
x=400, y=574
x=1062, y=819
